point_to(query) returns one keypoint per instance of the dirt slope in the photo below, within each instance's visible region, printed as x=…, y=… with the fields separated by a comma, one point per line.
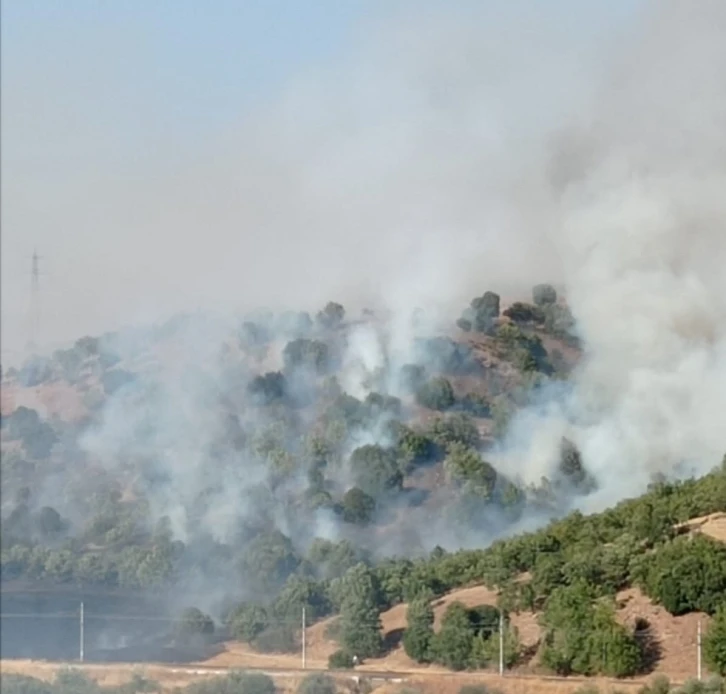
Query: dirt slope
x=672, y=639
x=713, y=525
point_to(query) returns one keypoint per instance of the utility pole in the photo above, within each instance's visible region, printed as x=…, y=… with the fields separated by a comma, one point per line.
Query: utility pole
x=698, y=641
x=501, y=643
x=83, y=637
x=303, y=638
x=34, y=300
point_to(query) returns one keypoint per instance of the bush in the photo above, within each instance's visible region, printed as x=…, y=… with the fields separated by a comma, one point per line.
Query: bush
x=477, y=689
x=234, y=683
x=340, y=660
x=317, y=683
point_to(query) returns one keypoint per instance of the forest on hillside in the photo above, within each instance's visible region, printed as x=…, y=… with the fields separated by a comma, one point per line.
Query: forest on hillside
x=342, y=466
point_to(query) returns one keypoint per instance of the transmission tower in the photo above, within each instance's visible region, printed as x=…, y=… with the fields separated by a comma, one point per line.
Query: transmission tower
x=34, y=301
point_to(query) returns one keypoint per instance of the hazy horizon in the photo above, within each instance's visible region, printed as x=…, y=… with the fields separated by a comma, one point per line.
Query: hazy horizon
x=258, y=153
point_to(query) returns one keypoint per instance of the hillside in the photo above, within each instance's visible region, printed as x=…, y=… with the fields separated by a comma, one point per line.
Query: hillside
x=254, y=468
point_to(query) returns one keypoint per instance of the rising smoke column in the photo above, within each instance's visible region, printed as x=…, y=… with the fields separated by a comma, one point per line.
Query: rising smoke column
x=640, y=194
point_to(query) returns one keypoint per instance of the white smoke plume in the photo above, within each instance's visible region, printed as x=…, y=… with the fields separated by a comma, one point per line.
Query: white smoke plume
x=457, y=153
x=639, y=198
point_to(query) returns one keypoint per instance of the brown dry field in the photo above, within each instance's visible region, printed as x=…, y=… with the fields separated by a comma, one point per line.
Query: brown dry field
x=426, y=683
x=676, y=637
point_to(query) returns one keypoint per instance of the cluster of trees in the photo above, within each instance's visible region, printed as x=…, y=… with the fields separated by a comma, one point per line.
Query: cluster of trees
x=577, y=565
x=304, y=439
x=545, y=312
x=467, y=638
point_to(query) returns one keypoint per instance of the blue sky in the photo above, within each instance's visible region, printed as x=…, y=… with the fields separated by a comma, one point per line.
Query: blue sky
x=105, y=101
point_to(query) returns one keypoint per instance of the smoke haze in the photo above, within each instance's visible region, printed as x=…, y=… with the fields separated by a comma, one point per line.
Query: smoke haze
x=449, y=153
x=396, y=172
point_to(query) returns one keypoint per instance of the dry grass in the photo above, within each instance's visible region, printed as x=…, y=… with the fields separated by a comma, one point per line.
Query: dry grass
x=55, y=399
x=287, y=682
x=713, y=525
x=676, y=637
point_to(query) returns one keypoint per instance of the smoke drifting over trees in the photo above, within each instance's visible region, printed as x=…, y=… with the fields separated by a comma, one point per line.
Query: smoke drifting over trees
x=256, y=453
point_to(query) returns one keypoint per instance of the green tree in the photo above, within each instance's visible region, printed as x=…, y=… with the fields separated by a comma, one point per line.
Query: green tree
x=544, y=294
x=452, y=646
x=360, y=624
x=436, y=394
x=193, y=623
x=455, y=428
x=420, y=629
x=482, y=313
x=331, y=316
x=520, y=312
x=357, y=506
x=375, y=469
x=465, y=466
x=302, y=352
x=714, y=642
x=340, y=660
x=247, y=621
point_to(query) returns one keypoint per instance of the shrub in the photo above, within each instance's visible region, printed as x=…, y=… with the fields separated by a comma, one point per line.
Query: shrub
x=477, y=689
x=234, y=683
x=340, y=660
x=317, y=683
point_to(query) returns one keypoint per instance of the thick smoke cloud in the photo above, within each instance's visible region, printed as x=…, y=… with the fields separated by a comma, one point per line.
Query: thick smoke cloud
x=641, y=231
x=452, y=156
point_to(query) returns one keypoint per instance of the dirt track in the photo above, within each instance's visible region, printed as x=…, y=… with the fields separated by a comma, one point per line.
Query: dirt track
x=179, y=675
